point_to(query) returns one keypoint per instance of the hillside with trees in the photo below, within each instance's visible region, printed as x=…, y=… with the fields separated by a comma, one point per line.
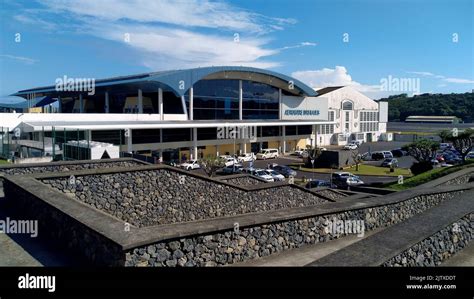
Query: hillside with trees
x=460, y=105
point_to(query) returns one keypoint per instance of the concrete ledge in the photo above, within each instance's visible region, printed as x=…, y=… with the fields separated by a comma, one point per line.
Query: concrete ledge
x=379, y=248
x=76, y=162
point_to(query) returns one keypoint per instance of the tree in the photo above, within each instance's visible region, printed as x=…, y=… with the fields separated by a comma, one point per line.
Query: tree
x=423, y=151
x=210, y=165
x=313, y=154
x=444, y=135
x=463, y=142
x=357, y=158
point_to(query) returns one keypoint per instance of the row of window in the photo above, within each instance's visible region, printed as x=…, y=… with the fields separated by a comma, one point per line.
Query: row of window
x=326, y=129
x=369, y=116
x=369, y=126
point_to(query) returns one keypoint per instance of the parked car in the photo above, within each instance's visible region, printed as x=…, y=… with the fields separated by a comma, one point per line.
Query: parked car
x=439, y=157
x=249, y=170
x=350, y=146
x=275, y=175
x=246, y=157
x=191, y=164
x=228, y=160
x=470, y=155
x=378, y=156
x=284, y=170
x=398, y=152
x=317, y=184
x=452, y=158
x=387, y=154
x=345, y=179
x=261, y=173
x=268, y=153
x=389, y=162
x=232, y=169
x=299, y=153
x=445, y=146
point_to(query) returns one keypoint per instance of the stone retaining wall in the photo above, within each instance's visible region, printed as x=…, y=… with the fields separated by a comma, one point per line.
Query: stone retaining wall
x=145, y=198
x=244, y=181
x=436, y=249
x=262, y=240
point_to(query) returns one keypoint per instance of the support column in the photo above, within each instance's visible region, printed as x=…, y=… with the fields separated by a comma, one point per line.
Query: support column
x=240, y=100
x=81, y=104
x=160, y=104
x=160, y=151
x=283, y=135
x=140, y=101
x=191, y=103
x=279, y=104
x=183, y=103
x=107, y=102
x=129, y=141
x=195, y=148
x=60, y=105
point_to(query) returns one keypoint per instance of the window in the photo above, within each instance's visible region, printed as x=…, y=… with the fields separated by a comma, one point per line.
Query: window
x=331, y=115
x=347, y=105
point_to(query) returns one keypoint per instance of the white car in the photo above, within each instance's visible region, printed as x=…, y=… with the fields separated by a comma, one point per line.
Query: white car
x=228, y=160
x=191, y=164
x=299, y=153
x=246, y=157
x=350, y=146
x=263, y=175
x=275, y=175
x=268, y=153
x=470, y=155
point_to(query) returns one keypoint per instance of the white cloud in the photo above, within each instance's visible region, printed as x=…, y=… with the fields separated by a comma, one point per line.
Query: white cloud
x=194, y=13
x=333, y=77
x=20, y=58
x=444, y=78
x=426, y=74
x=171, y=34
x=302, y=44
x=27, y=18
x=458, y=80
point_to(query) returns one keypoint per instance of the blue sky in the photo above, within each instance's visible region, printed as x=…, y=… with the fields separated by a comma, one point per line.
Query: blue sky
x=428, y=41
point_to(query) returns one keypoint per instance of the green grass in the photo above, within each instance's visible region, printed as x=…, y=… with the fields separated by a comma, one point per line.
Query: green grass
x=363, y=170
x=3, y=161
x=427, y=176
x=415, y=133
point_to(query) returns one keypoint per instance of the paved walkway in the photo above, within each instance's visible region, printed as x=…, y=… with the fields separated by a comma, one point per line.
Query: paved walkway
x=464, y=258
x=305, y=255
x=21, y=250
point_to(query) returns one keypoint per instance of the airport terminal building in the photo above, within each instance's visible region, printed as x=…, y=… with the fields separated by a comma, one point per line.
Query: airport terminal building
x=195, y=113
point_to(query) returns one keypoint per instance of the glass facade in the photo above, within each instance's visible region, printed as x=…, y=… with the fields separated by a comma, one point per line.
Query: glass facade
x=260, y=101
x=219, y=99
x=215, y=99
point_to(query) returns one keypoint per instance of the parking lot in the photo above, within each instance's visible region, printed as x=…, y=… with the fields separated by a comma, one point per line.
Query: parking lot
x=404, y=162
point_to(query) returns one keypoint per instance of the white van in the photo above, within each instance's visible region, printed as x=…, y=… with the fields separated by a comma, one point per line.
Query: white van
x=267, y=153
